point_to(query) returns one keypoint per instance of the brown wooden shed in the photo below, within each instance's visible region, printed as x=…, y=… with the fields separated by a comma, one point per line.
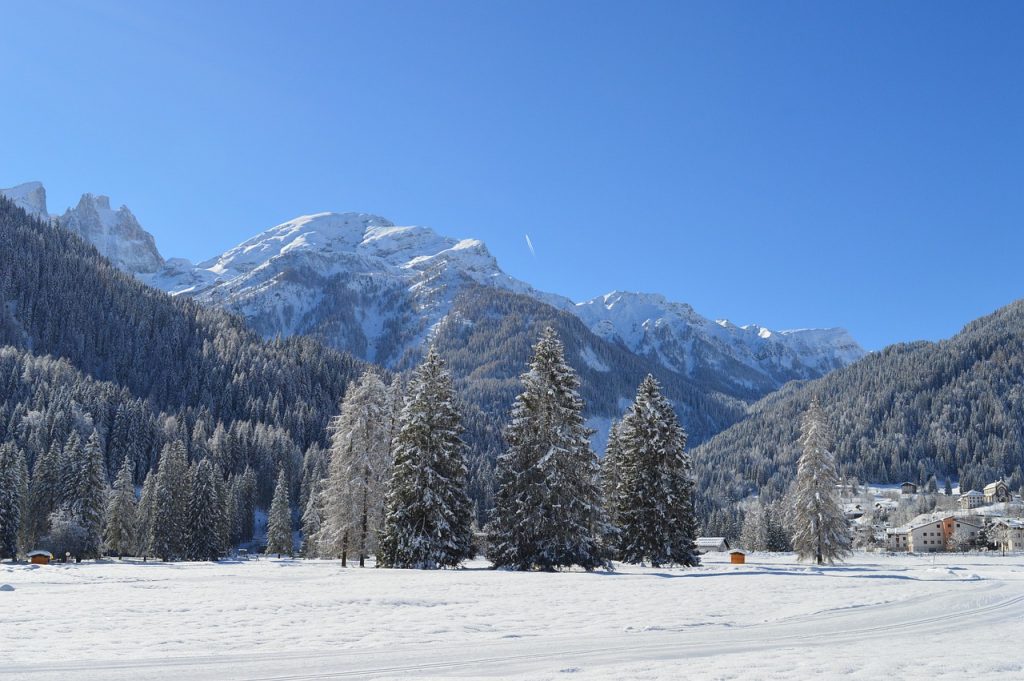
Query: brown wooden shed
x=737, y=557
x=40, y=557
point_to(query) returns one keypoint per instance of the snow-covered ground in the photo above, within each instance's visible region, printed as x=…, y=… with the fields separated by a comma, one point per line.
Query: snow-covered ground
x=873, y=617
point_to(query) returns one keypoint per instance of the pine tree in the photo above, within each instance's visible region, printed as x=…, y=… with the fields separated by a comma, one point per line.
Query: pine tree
x=279, y=521
x=313, y=521
x=548, y=511
x=91, y=502
x=821, y=531
x=428, y=521
x=145, y=516
x=44, y=494
x=754, y=535
x=203, y=536
x=611, y=475
x=359, y=464
x=171, y=503
x=120, y=537
x=11, y=462
x=657, y=521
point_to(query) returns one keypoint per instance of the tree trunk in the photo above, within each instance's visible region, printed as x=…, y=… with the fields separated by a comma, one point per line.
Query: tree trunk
x=365, y=522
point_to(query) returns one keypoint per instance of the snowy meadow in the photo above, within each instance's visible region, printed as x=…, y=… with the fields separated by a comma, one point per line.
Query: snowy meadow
x=875, y=616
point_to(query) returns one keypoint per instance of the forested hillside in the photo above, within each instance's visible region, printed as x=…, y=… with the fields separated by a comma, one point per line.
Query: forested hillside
x=147, y=353
x=952, y=409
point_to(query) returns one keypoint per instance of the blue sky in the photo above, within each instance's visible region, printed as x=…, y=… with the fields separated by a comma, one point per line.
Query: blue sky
x=792, y=164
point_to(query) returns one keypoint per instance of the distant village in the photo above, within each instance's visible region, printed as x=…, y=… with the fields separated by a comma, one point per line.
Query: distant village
x=910, y=518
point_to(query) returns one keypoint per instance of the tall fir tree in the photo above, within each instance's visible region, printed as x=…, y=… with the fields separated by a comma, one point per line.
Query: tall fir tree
x=656, y=515
x=358, y=470
x=145, y=516
x=548, y=511
x=205, y=514
x=611, y=474
x=11, y=464
x=313, y=521
x=170, y=511
x=120, y=536
x=91, y=502
x=44, y=494
x=428, y=518
x=279, y=520
x=820, y=530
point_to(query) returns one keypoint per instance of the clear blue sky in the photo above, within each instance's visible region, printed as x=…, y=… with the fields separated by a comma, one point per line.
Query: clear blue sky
x=794, y=164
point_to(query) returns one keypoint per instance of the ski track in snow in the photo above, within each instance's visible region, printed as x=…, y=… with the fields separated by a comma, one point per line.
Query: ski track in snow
x=906, y=617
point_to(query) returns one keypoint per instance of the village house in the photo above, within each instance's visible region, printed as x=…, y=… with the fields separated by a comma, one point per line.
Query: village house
x=996, y=492
x=972, y=499
x=1008, y=534
x=897, y=539
x=908, y=488
x=712, y=544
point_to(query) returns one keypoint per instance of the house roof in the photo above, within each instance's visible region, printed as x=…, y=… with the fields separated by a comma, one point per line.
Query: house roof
x=710, y=541
x=39, y=552
x=972, y=493
x=993, y=485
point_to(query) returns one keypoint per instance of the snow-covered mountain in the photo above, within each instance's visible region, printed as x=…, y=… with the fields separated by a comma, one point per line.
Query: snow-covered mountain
x=115, y=233
x=684, y=341
x=30, y=197
x=366, y=285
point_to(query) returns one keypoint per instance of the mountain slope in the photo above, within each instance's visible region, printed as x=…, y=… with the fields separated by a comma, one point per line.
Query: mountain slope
x=60, y=297
x=953, y=409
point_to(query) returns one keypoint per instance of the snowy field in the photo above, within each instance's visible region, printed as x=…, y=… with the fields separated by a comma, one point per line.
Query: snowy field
x=874, y=617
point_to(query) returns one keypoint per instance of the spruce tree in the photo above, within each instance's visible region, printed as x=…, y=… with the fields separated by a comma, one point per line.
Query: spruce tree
x=205, y=514
x=656, y=515
x=548, y=512
x=91, y=502
x=44, y=494
x=171, y=503
x=428, y=519
x=11, y=483
x=119, y=536
x=313, y=521
x=358, y=470
x=279, y=521
x=145, y=515
x=821, y=531
x=611, y=475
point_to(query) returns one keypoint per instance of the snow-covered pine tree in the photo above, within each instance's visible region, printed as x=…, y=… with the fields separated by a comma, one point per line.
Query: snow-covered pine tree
x=10, y=499
x=145, y=515
x=611, y=475
x=657, y=522
x=548, y=510
x=358, y=470
x=313, y=521
x=428, y=519
x=119, y=536
x=821, y=531
x=170, y=508
x=245, y=499
x=44, y=494
x=91, y=501
x=70, y=470
x=279, y=520
x=754, y=535
x=203, y=538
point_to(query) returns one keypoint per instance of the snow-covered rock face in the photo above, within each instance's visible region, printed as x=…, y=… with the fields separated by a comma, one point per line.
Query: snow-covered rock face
x=30, y=197
x=356, y=280
x=686, y=342
x=115, y=233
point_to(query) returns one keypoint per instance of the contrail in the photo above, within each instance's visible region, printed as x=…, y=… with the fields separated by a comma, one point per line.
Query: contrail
x=529, y=244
